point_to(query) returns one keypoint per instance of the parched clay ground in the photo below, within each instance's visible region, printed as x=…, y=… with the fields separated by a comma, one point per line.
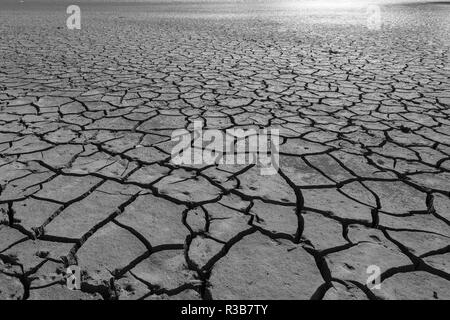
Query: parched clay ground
x=85, y=173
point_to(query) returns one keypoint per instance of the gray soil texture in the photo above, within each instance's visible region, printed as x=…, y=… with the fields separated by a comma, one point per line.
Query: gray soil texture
x=86, y=177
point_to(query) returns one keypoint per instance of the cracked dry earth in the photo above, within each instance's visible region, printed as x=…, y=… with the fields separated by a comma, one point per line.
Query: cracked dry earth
x=85, y=124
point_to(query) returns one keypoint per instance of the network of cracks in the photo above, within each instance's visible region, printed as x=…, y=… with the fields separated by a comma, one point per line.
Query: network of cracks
x=86, y=177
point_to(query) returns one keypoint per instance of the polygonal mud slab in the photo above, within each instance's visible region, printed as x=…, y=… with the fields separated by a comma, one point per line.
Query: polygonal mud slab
x=260, y=268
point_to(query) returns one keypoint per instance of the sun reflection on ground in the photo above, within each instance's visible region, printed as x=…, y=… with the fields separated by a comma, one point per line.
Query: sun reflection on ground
x=328, y=4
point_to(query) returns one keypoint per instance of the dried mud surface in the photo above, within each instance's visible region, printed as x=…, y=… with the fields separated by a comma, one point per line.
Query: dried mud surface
x=85, y=173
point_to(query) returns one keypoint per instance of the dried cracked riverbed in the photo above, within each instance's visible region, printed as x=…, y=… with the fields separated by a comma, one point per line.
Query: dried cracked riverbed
x=85, y=124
